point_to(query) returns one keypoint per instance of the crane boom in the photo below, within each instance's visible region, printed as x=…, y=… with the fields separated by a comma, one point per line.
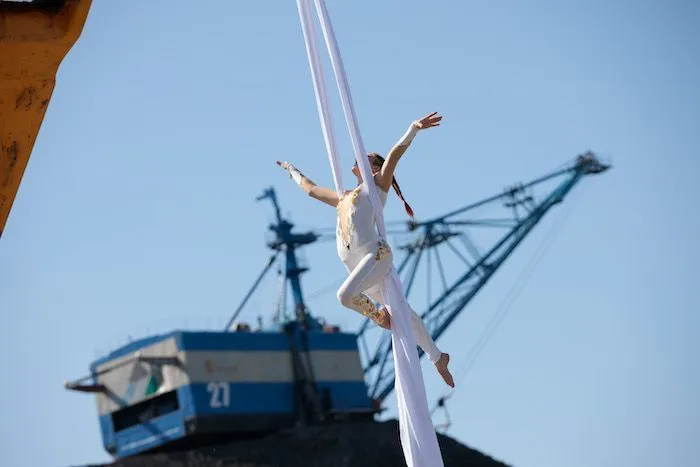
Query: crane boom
x=35, y=37
x=444, y=310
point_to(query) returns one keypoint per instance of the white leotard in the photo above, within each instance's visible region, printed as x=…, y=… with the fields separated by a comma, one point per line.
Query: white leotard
x=367, y=262
x=356, y=230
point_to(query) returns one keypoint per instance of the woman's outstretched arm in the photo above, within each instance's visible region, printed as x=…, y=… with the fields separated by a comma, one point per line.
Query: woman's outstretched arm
x=325, y=195
x=386, y=174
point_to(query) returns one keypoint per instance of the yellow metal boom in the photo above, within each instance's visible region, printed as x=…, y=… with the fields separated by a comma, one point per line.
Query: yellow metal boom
x=34, y=39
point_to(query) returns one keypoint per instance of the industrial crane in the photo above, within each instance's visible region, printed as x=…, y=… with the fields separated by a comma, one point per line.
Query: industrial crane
x=165, y=390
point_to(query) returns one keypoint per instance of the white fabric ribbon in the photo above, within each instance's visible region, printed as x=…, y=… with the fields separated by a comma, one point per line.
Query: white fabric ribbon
x=417, y=434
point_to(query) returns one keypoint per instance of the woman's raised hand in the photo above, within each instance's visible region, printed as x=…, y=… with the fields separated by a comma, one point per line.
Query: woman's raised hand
x=284, y=165
x=428, y=121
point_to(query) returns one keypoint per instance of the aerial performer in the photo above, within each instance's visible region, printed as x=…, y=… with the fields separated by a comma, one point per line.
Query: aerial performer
x=367, y=257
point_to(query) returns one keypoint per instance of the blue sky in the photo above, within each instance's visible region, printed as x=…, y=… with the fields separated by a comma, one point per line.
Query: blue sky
x=137, y=212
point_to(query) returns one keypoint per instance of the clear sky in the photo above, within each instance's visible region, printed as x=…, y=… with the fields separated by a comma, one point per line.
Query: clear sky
x=137, y=212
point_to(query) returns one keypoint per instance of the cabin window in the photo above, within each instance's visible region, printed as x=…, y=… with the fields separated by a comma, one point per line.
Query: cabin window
x=145, y=411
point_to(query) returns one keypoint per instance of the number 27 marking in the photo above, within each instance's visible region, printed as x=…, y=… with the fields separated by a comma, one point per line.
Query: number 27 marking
x=220, y=394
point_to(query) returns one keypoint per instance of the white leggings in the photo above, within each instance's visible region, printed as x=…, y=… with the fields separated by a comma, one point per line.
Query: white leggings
x=367, y=270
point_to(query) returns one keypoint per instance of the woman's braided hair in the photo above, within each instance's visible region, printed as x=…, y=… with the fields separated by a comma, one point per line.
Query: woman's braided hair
x=378, y=161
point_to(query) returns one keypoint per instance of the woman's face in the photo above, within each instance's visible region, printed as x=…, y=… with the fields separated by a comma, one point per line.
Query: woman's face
x=374, y=165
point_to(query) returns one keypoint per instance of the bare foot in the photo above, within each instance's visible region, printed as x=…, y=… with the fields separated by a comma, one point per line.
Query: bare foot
x=441, y=366
x=384, y=319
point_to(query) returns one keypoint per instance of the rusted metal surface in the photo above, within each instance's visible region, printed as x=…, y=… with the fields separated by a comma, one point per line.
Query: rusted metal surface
x=34, y=39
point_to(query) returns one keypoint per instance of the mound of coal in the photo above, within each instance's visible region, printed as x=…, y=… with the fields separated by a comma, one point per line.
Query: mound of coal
x=346, y=445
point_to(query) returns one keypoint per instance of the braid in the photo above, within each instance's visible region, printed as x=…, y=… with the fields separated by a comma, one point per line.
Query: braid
x=406, y=206
x=379, y=161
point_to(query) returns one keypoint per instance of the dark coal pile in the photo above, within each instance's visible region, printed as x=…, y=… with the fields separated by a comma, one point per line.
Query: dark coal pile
x=346, y=445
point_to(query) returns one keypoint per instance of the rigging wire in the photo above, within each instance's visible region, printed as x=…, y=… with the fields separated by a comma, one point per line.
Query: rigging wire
x=325, y=289
x=506, y=304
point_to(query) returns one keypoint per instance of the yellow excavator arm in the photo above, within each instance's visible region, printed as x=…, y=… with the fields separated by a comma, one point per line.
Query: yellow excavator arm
x=35, y=36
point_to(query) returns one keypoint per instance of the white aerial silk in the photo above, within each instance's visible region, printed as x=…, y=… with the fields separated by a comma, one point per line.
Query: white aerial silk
x=418, y=437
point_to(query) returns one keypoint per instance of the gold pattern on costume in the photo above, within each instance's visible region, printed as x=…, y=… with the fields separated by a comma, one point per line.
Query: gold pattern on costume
x=383, y=250
x=346, y=209
x=366, y=306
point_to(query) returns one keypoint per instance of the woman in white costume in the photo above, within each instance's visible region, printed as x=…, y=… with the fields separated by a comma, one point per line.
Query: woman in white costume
x=367, y=257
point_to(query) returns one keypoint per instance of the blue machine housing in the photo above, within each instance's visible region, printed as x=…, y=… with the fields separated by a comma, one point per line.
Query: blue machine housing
x=176, y=389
